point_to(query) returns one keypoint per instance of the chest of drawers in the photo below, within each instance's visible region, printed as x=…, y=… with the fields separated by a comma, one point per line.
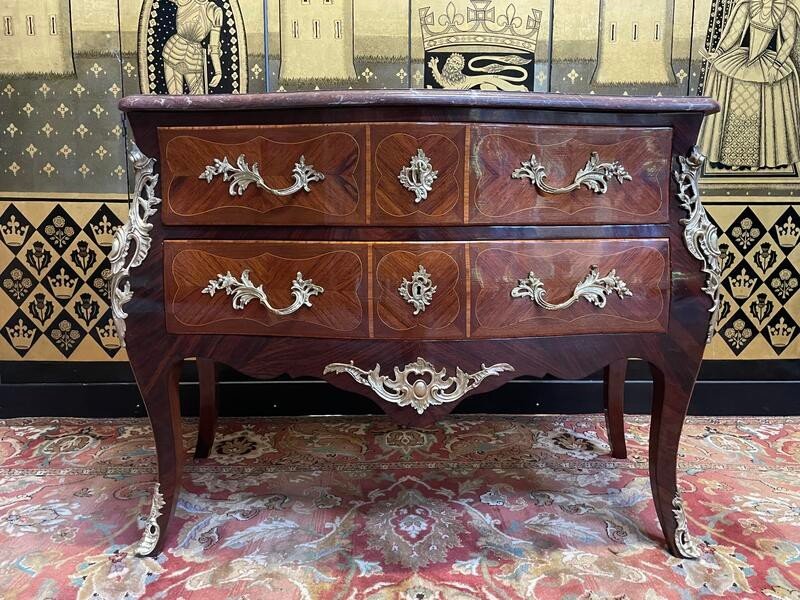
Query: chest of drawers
x=416, y=247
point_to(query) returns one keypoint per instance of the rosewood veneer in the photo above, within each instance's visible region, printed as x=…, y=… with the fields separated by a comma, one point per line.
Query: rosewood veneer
x=416, y=247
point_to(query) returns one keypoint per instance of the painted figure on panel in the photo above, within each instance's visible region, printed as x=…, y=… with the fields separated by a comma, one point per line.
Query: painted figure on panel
x=192, y=47
x=196, y=21
x=482, y=50
x=752, y=72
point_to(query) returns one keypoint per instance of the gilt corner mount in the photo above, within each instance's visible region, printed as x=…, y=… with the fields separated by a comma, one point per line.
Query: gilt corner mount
x=700, y=234
x=133, y=237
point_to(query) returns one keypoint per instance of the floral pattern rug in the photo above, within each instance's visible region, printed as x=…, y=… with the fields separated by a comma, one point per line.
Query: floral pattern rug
x=475, y=507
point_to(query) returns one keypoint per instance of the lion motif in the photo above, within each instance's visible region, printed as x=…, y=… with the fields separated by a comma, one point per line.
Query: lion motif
x=498, y=73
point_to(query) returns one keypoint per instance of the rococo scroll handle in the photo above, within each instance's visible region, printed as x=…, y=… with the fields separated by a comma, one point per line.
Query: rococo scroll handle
x=429, y=388
x=244, y=291
x=419, y=176
x=593, y=288
x=242, y=175
x=595, y=175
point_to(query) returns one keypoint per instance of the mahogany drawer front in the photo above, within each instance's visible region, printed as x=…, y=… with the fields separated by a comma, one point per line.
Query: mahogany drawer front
x=417, y=290
x=439, y=269
x=561, y=153
x=331, y=277
x=277, y=167
x=552, y=283
x=441, y=148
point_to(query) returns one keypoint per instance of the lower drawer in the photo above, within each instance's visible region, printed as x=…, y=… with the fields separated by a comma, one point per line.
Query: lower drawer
x=296, y=289
x=417, y=290
x=566, y=287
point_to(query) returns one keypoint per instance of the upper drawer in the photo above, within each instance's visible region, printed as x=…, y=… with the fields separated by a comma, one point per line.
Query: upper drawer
x=417, y=173
x=288, y=175
x=569, y=175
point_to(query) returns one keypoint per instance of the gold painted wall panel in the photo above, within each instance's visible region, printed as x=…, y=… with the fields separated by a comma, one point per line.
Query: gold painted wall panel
x=342, y=44
x=622, y=46
x=62, y=163
x=61, y=134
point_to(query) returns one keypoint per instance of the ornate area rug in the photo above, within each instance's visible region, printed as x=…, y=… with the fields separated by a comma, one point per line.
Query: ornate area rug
x=356, y=508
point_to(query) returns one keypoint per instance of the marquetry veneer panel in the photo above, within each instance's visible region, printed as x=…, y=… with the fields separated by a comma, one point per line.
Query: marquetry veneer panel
x=337, y=151
x=497, y=198
x=643, y=265
x=357, y=274
x=339, y=311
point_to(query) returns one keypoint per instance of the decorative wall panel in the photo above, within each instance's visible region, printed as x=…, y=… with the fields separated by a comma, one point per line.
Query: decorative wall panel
x=622, y=46
x=64, y=176
x=481, y=44
x=193, y=46
x=54, y=303
x=60, y=131
x=337, y=44
x=749, y=66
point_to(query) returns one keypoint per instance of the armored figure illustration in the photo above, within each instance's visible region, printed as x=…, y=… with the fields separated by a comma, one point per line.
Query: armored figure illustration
x=184, y=56
x=753, y=74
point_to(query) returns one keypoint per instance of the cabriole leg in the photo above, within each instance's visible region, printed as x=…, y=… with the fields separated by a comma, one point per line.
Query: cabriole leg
x=207, y=371
x=613, y=406
x=671, y=397
x=163, y=408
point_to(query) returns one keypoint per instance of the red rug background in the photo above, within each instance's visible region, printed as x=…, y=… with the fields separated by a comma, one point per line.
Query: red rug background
x=356, y=508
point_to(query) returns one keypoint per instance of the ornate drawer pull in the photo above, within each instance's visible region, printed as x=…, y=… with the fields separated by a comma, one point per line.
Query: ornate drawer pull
x=419, y=291
x=244, y=291
x=595, y=175
x=419, y=176
x=241, y=176
x=593, y=288
x=421, y=393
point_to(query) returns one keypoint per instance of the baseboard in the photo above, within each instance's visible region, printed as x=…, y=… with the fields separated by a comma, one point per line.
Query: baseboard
x=271, y=398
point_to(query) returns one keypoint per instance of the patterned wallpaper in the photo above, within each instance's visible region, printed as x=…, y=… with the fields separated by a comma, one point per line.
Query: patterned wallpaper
x=64, y=178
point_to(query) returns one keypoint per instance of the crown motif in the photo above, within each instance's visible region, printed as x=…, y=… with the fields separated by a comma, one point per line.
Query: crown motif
x=781, y=334
x=63, y=285
x=14, y=232
x=788, y=233
x=108, y=335
x=742, y=285
x=103, y=231
x=21, y=335
x=481, y=26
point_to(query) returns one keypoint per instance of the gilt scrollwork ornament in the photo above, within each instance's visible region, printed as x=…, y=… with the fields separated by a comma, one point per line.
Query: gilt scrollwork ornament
x=152, y=531
x=592, y=288
x=699, y=233
x=132, y=240
x=595, y=175
x=245, y=291
x=419, y=176
x=429, y=388
x=419, y=291
x=242, y=175
x=684, y=542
